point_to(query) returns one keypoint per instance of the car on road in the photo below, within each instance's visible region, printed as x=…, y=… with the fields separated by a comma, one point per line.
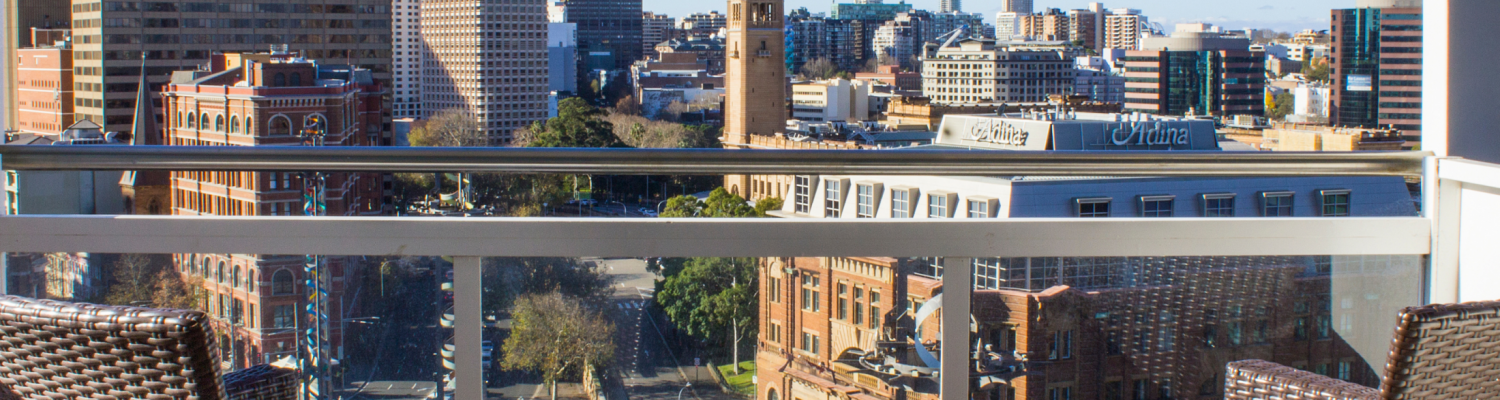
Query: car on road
x=646, y=211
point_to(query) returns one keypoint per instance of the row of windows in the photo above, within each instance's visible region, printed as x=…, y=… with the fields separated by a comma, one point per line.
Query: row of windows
x=1332, y=203
x=938, y=204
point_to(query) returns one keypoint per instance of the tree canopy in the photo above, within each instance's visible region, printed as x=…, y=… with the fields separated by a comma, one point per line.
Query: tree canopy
x=449, y=128
x=577, y=124
x=720, y=204
x=709, y=295
x=556, y=336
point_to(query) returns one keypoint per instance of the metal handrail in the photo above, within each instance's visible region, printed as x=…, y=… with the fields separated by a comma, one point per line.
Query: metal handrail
x=710, y=161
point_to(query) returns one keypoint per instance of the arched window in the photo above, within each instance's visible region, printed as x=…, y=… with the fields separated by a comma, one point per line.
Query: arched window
x=771, y=395
x=219, y=123
x=250, y=283
x=279, y=80
x=203, y=121
x=234, y=124
x=234, y=277
x=250, y=126
x=220, y=273
x=280, y=126
x=179, y=120
x=192, y=120
x=281, y=282
x=296, y=79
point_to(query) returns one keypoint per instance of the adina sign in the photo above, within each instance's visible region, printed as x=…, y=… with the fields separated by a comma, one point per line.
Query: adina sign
x=997, y=132
x=1147, y=133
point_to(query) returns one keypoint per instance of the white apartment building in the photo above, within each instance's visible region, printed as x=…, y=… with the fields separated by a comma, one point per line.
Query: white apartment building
x=980, y=71
x=1304, y=52
x=406, y=58
x=1122, y=29
x=1007, y=25
x=893, y=40
x=488, y=59
x=831, y=100
x=1016, y=6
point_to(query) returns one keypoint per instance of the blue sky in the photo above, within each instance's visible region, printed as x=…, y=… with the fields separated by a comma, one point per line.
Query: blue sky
x=1281, y=15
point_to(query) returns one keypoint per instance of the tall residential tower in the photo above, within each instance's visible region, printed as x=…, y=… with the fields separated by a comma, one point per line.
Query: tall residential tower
x=487, y=59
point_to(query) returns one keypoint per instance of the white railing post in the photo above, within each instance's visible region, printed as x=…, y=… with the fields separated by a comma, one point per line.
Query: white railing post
x=957, y=286
x=468, y=328
x=1441, y=205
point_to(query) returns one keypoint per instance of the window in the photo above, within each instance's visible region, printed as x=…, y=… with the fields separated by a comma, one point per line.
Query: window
x=1156, y=206
x=859, y=312
x=1276, y=204
x=1343, y=370
x=900, y=203
x=802, y=193
x=843, y=307
x=937, y=205
x=809, y=342
x=1138, y=388
x=810, y=293
x=278, y=80
x=280, y=126
x=833, y=204
x=1218, y=205
x=773, y=286
x=234, y=124
x=987, y=273
x=219, y=277
x=979, y=208
x=203, y=121
x=1165, y=388
x=1335, y=203
x=1112, y=343
x=1060, y=393
x=874, y=309
x=865, y=200
x=775, y=333
x=281, y=283
x=1321, y=325
x=284, y=317
x=234, y=277
x=192, y=120
x=1067, y=344
x=931, y=267
x=1092, y=208
x=1299, y=328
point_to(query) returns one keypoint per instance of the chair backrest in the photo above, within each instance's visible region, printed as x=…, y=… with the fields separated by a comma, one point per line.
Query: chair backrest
x=79, y=350
x=1445, y=351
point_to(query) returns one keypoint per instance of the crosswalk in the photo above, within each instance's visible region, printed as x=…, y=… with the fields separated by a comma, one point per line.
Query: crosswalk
x=631, y=305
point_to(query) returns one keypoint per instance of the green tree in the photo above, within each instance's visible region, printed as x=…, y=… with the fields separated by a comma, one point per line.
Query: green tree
x=722, y=204
x=1283, y=104
x=557, y=336
x=1316, y=69
x=713, y=299
x=577, y=124
x=767, y=204
x=682, y=207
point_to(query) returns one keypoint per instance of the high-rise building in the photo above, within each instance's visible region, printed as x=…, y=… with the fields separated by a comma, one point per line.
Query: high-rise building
x=655, y=28
x=112, y=37
x=1122, y=29
x=562, y=57
x=1016, y=6
x=407, y=53
x=1376, y=69
x=44, y=80
x=951, y=6
x=268, y=99
x=895, y=42
x=489, y=60
x=1197, y=73
x=755, y=76
x=1007, y=25
x=700, y=24
x=19, y=16
x=609, y=32
x=981, y=71
x=811, y=37
x=1085, y=25
x=1050, y=25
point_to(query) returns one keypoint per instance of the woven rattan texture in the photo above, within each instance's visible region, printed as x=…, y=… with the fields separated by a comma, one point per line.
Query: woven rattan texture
x=60, y=350
x=1445, y=351
x=1265, y=380
x=261, y=382
x=1440, y=351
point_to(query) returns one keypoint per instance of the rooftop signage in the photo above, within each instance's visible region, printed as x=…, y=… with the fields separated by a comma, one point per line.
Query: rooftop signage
x=1099, y=132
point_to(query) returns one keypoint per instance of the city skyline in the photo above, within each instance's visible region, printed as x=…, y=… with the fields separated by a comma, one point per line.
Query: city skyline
x=1279, y=15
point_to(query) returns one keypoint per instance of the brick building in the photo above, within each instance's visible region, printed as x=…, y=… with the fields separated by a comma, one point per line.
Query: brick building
x=44, y=79
x=256, y=300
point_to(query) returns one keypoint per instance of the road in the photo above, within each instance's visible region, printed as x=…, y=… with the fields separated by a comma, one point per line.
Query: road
x=647, y=356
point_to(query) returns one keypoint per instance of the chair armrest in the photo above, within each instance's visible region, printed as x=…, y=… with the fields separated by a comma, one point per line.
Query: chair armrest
x=1260, y=379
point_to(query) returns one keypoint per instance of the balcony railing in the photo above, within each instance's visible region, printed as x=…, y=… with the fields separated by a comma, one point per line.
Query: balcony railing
x=1455, y=230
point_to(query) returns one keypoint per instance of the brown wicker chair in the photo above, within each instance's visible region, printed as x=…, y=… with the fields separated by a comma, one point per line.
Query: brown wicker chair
x=1440, y=351
x=61, y=350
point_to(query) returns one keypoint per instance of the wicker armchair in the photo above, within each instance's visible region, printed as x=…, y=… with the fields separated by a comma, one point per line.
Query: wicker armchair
x=53, y=350
x=1440, y=351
